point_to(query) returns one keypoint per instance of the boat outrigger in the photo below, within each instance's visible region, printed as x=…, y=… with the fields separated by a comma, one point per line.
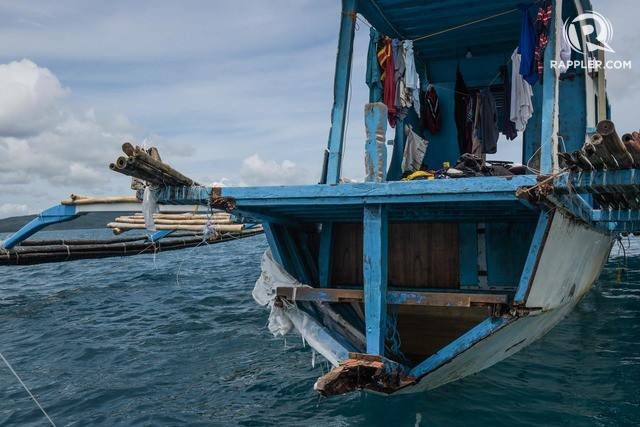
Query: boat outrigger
x=406, y=285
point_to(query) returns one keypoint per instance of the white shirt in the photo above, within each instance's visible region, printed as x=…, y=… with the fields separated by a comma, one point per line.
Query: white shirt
x=411, y=75
x=521, y=93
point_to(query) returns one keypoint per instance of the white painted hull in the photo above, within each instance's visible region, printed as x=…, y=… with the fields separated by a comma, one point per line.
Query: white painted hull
x=570, y=262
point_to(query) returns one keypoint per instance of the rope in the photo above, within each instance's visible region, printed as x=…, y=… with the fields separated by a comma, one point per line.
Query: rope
x=68, y=250
x=457, y=27
x=387, y=21
x=549, y=178
x=27, y=390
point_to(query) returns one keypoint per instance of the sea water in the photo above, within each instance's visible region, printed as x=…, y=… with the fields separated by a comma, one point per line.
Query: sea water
x=176, y=339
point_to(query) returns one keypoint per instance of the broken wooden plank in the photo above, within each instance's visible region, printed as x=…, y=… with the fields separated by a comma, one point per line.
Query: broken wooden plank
x=435, y=299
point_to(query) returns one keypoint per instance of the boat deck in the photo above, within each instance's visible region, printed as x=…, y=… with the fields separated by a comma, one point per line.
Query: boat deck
x=454, y=200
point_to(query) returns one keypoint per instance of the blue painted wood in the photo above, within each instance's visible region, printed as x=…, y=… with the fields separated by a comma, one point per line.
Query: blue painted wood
x=599, y=181
x=464, y=189
x=548, y=149
x=341, y=91
x=375, y=157
x=53, y=215
x=324, y=255
x=532, y=135
x=468, y=249
x=159, y=235
x=573, y=113
x=294, y=254
x=375, y=259
x=507, y=245
x=466, y=341
x=532, y=258
x=276, y=245
x=308, y=258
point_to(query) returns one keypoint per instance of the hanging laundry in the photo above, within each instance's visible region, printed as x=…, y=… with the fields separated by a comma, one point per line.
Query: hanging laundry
x=490, y=131
x=521, y=93
x=401, y=101
x=431, y=116
x=476, y=146
x=565, y=53
x=414, y=151
x=373, y=68
x=385, y=59
x=508, y=127
x=470, y=102
x=527, y=47
x=411, y=75
x=542, y=35
x=460, y=110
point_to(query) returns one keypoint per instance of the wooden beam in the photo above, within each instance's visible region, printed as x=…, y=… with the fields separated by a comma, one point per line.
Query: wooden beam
x=341, y=91
x=550, y=90
x=375, y=259
x=535, y=251
x=300, y=270
x=408, y=298
x=324, y=256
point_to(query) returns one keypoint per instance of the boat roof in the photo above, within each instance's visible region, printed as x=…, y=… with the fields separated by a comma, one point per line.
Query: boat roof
x=414, y=19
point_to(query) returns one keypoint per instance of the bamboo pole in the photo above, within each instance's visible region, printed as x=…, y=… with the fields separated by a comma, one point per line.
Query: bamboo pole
x=127, y=148
x=102, y=200
x=603, y=152
x=595, y=160
x=135, y=172
x=582, y=160
x=633, y=147
x=185, y=216
x=73, y=253
x=123, y=226
x=145, y=158
x=152, y=173
x=606, y=129
x=153, y=152
x=72, y=242
x=138, y=220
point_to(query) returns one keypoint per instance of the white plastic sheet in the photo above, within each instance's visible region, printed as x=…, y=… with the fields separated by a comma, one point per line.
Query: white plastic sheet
x=283, y=319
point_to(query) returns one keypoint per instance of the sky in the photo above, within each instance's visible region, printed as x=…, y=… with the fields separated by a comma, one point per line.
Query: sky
x=238, y=93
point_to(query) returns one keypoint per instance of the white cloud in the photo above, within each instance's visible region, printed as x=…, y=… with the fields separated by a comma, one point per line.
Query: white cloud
x=8, y=210
x=28, y=98
x=44, y=139
x=256, y=171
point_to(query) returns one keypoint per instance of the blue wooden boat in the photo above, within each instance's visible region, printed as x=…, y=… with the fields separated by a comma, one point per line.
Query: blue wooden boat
x=408, y=285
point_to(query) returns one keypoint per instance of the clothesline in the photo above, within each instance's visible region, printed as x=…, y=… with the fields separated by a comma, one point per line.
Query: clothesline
x=466, y=94
x=446, y=30
x=477, y=21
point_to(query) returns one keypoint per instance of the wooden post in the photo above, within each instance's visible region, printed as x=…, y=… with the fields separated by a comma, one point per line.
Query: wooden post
x=375, y=260
x=375, y=158
x=550, y=104
x=340, y=92
x=324, y=255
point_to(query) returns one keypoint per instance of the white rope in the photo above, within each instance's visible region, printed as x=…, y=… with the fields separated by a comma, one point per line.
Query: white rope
x=26, y=389
x=68, y=250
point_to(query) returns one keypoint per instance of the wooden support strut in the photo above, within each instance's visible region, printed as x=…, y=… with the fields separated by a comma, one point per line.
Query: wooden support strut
x=375, y=261
x=550, y=90
x=340, y=92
